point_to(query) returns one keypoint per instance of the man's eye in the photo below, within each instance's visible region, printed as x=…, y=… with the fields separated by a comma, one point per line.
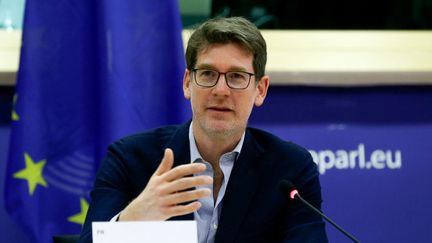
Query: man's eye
x=207, y=73
x=236, y=75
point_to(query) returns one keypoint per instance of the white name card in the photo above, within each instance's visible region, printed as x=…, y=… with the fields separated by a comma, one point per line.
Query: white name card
x=147, y=231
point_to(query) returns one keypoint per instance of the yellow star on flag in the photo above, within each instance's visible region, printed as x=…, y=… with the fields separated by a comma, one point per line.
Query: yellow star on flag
x=15, y=116
x=79, y=218
x=32, y=173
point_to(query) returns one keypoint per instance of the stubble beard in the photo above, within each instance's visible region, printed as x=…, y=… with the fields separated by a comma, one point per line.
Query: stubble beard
x=219, y=133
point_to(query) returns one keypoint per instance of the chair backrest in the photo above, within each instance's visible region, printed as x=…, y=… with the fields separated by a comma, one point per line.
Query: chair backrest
x=65, y=238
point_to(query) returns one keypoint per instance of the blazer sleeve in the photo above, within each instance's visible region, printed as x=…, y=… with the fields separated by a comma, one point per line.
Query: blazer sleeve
x=302, y=224
x=112, y=189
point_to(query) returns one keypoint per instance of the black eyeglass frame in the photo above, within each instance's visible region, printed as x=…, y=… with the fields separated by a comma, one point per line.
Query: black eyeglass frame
x=219, y=74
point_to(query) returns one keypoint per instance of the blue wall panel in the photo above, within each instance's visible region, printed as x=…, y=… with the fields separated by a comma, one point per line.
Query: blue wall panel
x=356, y=136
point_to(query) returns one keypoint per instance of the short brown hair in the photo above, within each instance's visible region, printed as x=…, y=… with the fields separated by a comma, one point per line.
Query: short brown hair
x=228, y=30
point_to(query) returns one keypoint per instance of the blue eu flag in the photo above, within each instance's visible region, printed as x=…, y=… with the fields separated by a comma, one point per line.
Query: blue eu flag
x=90, y=73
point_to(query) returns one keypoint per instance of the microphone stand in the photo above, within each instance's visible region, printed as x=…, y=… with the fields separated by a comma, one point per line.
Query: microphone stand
x=298, y=197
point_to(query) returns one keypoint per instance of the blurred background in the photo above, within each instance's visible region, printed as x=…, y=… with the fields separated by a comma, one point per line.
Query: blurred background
x=353, y=76
x=293, y=14
x=333, y=14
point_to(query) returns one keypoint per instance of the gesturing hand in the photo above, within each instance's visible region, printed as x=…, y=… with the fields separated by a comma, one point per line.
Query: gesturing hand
x=166, y=191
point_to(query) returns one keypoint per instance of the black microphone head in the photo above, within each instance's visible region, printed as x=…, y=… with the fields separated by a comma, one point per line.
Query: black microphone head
x=286, y=186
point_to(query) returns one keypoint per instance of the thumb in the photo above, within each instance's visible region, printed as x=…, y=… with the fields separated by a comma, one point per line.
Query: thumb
x=166, y=163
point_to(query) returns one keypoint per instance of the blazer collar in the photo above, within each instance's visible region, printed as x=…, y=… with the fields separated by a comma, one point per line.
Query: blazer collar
x=244, y=179
x=179, y=143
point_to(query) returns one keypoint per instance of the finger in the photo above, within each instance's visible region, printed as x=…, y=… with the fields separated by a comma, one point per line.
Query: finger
x=186, y=183
x=184, y=170
x=181, y=209
x=186, y=196
x=166, y=163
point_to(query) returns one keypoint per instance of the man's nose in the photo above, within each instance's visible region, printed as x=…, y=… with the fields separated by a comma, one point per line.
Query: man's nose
x=221, y=87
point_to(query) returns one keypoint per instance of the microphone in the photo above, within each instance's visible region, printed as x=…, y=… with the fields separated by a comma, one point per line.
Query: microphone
x=288, y=188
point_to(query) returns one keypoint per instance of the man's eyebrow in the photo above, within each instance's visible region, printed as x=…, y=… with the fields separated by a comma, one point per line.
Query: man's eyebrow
x=209, y=66
x=205, y=66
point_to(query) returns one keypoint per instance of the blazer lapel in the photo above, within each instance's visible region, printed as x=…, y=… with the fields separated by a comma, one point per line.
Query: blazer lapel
x=179, y=143
x=244, y=179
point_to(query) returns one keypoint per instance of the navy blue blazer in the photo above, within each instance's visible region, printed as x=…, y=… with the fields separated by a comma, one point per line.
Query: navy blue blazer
x=253, y=210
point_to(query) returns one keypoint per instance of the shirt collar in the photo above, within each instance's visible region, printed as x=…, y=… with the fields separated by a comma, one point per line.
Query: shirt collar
x=194, y=153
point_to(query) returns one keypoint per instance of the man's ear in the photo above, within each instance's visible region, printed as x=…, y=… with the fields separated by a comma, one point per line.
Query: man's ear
x=262, y=88
x=186, y=84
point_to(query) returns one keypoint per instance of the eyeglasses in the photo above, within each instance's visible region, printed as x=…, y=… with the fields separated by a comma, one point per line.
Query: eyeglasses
x=234, y=79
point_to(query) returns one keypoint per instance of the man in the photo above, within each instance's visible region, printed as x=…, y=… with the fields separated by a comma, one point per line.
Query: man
x=214, y=169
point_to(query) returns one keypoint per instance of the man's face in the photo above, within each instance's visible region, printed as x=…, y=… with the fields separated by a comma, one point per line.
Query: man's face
x=220, y=111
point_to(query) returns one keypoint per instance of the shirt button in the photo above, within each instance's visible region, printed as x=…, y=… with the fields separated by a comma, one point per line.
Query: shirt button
x=215, y=226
